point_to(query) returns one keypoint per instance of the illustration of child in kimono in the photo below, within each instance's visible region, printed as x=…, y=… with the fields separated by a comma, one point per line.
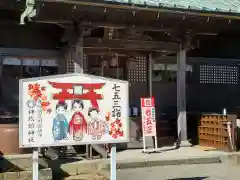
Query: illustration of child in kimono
x=78, y=123
x=60, y=123
x=97, y=127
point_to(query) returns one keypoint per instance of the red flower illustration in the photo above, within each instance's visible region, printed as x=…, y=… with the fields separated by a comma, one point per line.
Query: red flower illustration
x=112, y=125
x=30, y=87
x=36, y=92
x=45, y=103
x=114, y=136
x=118, y=122
x=116, y=130
x=107, y=117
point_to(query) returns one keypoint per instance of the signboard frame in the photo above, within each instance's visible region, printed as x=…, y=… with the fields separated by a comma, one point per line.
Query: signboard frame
x=126, y=129
x=153, y=119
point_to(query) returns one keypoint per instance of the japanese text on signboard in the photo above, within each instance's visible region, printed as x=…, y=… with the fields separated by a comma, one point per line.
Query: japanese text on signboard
x=148, y=117
x=34, y=120
x=116, y=126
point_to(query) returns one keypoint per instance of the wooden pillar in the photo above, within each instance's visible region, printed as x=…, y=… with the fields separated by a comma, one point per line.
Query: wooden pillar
x=62, y=64
x=79, y=57
x=181, y=98
x=150, y=68
x=74, y=52
x=1, y=64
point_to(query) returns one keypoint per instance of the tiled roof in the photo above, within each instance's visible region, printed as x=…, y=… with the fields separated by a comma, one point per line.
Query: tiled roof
x=202, y=5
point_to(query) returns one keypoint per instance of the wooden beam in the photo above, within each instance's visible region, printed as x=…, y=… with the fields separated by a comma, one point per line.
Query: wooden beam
x=123, y=26
x=104, y=24
x=159, y=57
x=163, y=25
x=201, y=30
x=30, y=52
x=135, y=45
x=157, y=26
x=121, y=53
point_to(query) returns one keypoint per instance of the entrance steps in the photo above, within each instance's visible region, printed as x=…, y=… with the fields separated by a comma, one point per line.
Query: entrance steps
x=93, y=176
x=166, y=133
x=85, y=177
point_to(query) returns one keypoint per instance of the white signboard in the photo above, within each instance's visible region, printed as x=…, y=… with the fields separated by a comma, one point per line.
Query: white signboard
x=148, y=117
x=72, y=109
x=148, y=120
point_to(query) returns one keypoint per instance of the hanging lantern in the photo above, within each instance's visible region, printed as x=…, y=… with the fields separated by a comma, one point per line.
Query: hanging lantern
x=113, y=61
x=132, y=63
x=104, y=64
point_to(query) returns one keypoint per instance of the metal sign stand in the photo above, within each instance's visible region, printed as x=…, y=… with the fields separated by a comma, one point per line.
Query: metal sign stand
x=35, y=164
x=155, y=145
x=113, y=162
x=113, y=167
x=155, y=137
x=144, y=144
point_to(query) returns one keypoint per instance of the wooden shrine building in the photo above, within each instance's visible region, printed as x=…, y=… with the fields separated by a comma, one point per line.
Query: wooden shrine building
x=150, y=41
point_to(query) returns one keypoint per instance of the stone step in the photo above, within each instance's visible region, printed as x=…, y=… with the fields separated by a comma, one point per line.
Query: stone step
x=44, y=174
x=166, y=141
x=102, y=175
x=87, y=177
x=79, y=177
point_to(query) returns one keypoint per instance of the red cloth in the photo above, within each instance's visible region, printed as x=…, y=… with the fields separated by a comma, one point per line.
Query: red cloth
x=74, y=126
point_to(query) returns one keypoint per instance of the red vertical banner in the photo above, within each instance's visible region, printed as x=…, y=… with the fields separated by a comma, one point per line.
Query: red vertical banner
x=148, y=116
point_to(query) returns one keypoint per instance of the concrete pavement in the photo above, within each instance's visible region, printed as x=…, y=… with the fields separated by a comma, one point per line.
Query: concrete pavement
x=168, y=152
x=164, y=155
x=135, y=158
x=182, y=172
x=125, y=160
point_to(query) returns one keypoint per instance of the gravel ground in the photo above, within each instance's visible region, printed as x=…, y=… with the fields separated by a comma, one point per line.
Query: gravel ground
x=182, y=172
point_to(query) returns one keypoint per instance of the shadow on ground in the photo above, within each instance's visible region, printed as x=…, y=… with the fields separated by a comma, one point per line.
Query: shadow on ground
x=55, y=165
x=169, y=149
x=7, y=166
x=44, y=163
x=190, y=178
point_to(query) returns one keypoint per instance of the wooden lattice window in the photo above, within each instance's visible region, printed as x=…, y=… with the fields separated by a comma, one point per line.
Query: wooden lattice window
x=70, y=61
x=139, y=74
x=219, y=74
x=85, y=63
x=71, y=65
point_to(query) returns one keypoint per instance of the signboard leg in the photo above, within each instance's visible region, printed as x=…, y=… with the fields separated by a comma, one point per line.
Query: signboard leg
x=156, y=144
x=113, y=167
x=35, y=164
x=144, y=144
